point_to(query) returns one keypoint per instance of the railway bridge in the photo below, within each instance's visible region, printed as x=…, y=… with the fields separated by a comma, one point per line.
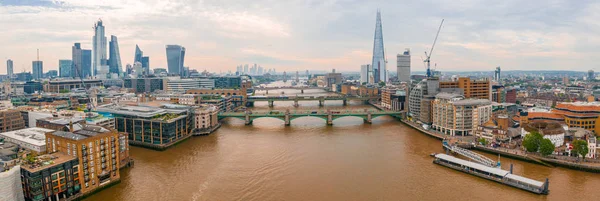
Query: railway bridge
x=327, y=115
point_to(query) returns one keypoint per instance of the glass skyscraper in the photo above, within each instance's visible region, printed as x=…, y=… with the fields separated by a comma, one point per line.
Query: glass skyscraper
x=175, y=58
x=114, y=60
x=9, y=68
x=378, y=64
x=82, y=62
x=145, y=61
x=38, y=70
x=64, y=68
x=98, y=48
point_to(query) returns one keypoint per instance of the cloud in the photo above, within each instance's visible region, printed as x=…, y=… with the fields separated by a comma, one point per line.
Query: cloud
x=314, y=35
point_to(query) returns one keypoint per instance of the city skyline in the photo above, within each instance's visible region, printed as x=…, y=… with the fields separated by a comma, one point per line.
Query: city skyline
x=220, y=36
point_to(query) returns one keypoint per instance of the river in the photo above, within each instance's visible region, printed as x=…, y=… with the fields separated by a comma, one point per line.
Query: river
x=309, y=160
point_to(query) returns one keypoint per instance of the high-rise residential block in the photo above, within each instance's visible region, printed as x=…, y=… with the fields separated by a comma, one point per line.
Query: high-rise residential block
x=114, y=60
x=364, y=73
x=38, y=69
x=379, y=61
x=98, y=48
x=64, y=68
x=403, y=66
x=9, y=68
x=175, y=58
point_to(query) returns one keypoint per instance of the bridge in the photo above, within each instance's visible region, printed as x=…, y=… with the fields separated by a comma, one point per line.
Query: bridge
x=481, y=159
x=328, y=115
x=301, y=88
x=296, y=99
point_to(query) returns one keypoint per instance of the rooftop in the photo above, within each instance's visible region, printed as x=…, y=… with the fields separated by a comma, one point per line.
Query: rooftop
x=473, y=102
x=35, y=136
x=47, y=161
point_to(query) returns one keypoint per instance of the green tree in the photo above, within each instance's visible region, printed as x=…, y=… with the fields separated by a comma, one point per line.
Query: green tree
x=546, y=147
x=483, y=141
x=532, y=141
x=580, y=147
x=382, y=84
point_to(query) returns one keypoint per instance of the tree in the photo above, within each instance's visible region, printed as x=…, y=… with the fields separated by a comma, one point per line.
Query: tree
x=483, y=141
x=580, y=147
x=532, y=141
x=382, y=84
x=546, y=147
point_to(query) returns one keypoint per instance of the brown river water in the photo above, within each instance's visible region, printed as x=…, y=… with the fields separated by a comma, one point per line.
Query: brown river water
x=309, y=160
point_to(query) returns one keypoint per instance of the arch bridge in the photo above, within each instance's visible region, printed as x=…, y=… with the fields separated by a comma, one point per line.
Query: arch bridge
x=328, y=115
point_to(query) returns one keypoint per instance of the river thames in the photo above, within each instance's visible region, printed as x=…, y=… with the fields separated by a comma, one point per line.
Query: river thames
x=309, y=160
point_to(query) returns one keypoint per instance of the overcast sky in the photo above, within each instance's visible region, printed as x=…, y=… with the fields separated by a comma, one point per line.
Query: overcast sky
x=292, y=35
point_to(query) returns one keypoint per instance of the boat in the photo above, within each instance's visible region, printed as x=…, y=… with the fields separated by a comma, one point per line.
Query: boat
x=493, y=174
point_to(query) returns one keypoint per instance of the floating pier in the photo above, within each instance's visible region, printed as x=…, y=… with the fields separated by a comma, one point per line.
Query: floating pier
x=494, y=174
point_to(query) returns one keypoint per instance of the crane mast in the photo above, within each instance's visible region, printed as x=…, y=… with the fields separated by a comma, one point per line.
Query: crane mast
x=428, y=56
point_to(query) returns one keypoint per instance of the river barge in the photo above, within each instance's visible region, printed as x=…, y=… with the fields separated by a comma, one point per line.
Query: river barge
x=493, y=174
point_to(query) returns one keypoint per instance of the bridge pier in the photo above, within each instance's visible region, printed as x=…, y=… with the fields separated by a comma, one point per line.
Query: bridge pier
x=271, y=103
x=321, y=102
x=267, y=92
x=248, y=120
x=369, y=118
x=296, y=103
x=329, y=117
x=345, y=102
x=301, y=91
x=287, y=118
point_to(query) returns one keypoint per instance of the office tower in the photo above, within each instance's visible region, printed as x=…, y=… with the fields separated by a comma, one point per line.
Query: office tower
x=64, y=68
x=98, y=48
x=497, y=74
x=138, y=54
x=364, y=73
x=38, y=70
x=9, y=68
x=403, y=66
x=82, y=62
x=146, y=65
x=591, y=75
x=246, y=69
x=114, y=60
x=175, y=58
x=128, y=69
x=137, y=69
x=38, y=67
x=379, y=61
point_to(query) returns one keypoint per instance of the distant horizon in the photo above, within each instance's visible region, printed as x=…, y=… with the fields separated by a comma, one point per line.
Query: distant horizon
x=290, y=36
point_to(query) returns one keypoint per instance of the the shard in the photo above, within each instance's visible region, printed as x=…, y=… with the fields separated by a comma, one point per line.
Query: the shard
x=378, y=65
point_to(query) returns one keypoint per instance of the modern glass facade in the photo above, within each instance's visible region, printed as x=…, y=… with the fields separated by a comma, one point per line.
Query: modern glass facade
x=99, y=47
x=114, y=61
x=38, y=69
x=379, y=62
x=64, y=68
x=175, y=58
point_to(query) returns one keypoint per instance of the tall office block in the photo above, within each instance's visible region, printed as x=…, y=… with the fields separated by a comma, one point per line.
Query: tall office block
x=403, y=66
x=86, y=61
x=82, y=62
x=364, y=73
x=379, y=61
x=38, y=70
x=146, y=65
x=64, y=68
x=9, y=68
x=98, y=48
x=114, y=60
x=175, y=58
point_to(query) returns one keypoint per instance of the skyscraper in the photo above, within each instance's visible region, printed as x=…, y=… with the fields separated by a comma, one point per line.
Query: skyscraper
x=364, y=73
x=38, y=67
x=146, y=65
x=64, y=68
x=38, y=70
x=138, y=54
x=590, y=74
x=9, y=68
x=82, y=61
x=175, y=58
x=114, y=61
x=98, y=48
x=403, y=66
x=144, y=60
x=378, y=64
x=497, y=74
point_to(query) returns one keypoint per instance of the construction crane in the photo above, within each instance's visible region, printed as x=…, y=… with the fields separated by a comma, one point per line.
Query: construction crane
x=90, y=105
x=428, y=56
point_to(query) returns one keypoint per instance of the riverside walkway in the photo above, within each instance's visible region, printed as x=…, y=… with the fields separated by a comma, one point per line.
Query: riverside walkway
x=327, y=115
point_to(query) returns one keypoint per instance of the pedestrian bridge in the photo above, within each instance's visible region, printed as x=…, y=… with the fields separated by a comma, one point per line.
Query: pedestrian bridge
x=271, y=99
x=328, y=115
